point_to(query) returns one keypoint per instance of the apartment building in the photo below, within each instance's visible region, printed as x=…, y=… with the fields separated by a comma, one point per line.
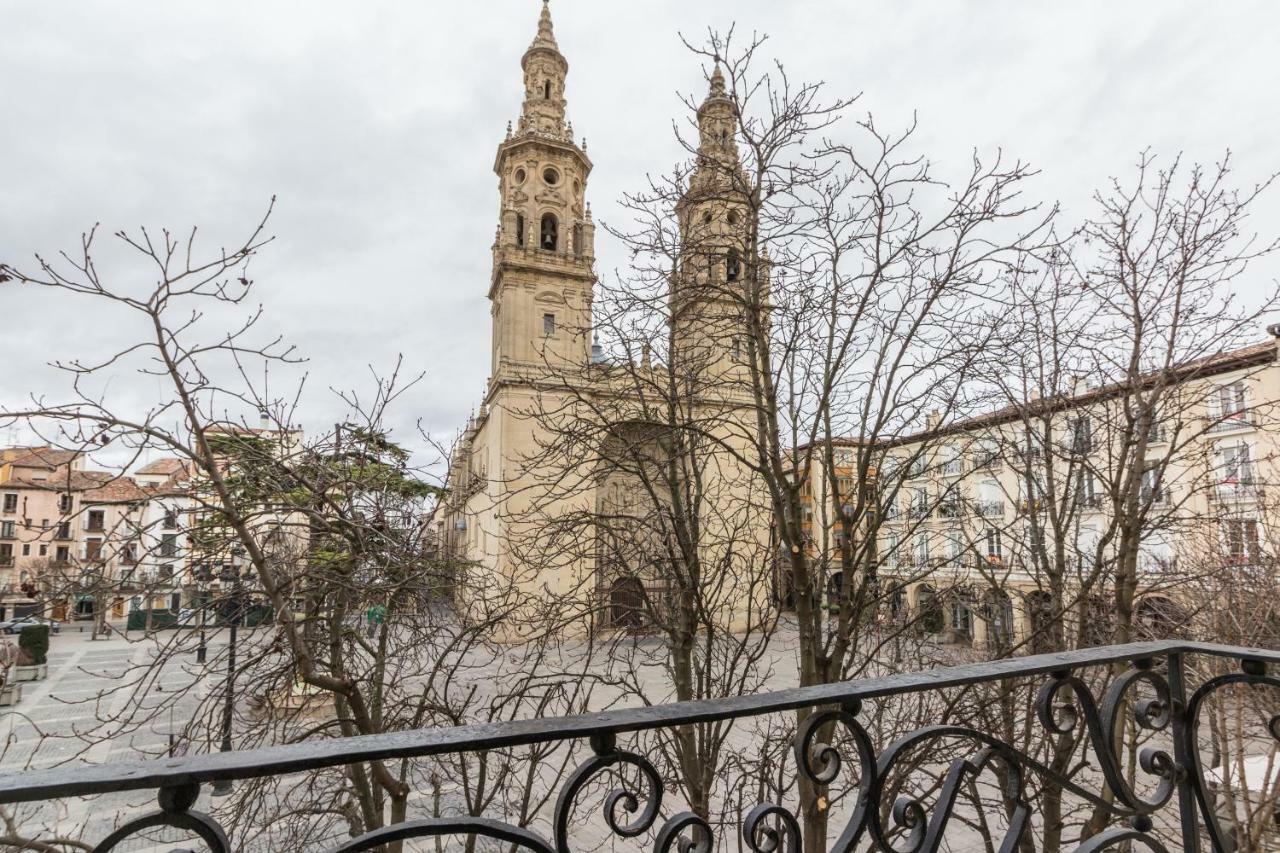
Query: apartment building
x=971, y=509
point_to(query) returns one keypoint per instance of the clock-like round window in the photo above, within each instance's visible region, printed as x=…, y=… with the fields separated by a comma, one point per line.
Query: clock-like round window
x=519, y=176
x=550, y=176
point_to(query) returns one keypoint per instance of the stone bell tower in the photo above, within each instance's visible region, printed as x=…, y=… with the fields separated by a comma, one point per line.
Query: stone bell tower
x=711, y=291
x=545, y=246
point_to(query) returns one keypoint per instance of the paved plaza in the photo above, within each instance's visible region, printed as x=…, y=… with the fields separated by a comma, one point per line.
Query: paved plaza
x=62, y=720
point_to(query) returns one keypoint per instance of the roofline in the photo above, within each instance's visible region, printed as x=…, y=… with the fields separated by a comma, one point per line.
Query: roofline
x=1253, y=355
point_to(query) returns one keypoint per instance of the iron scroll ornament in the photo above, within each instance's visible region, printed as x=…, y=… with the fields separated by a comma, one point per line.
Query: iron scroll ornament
x=919, y=830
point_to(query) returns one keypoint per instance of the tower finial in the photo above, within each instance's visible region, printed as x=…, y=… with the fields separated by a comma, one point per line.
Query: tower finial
x=546, y=37
x=717, y=81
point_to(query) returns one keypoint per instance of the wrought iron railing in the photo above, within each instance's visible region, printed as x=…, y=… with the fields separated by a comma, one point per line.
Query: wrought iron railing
x=1146, y=690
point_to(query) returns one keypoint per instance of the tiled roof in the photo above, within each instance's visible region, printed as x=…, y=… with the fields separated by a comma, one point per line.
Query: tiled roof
x=168, y=466
x=37, y=457
x=116, y=490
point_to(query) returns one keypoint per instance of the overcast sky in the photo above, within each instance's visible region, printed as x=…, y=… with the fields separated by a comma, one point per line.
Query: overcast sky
x=375, y=123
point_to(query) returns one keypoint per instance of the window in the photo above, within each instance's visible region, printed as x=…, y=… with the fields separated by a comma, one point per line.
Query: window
x=1155, y=432
x=166, y=572
x=733, y=266
x=550, y=176
x=546, y=91
x=1236, y=467
x=519, y=176
x=987, y=454
x=519, y=229
x=994, y=552
x=1241, y=541
x=922, y=549
x=97, y=520
x=6, y=554
x=548, y=325
x=548, y=240
x=919, y=503
x=93, y=549
x=1231, y=402
x=170, y=519
x=130, y=553
x=26, y=550
x=169, y=545
x=7, y=530
x=10, y=502
x=64, y=503
x=891, y=550
x=733, y=217
x=63, y=531
x=44, y=550
x=735, y=349
x=952, y=461
x=1081, y=434
x=1089, y=495
x=1153, y=489
x=62, y=554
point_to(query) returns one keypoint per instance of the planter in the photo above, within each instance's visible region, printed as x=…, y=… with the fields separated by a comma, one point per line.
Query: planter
x=10, y=694
x=35, y=672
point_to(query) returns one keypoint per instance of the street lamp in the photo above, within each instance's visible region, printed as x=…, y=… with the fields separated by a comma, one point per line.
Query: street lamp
x=203, y=576
x=230, y=576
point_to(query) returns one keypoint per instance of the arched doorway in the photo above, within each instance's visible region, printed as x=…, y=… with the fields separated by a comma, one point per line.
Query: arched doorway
x=998, y=613
x=626, y=603
x=1160, y=618
x=929, y=610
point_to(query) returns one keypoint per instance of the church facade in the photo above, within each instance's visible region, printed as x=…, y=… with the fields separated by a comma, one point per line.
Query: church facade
x=610, y=487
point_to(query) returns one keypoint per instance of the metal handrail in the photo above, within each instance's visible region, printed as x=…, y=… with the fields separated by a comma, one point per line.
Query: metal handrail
x=37, y=785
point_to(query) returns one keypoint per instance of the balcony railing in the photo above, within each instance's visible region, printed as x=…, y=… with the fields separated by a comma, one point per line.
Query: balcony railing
x=990, y=509
x=1234, y=420
x=1167, y=796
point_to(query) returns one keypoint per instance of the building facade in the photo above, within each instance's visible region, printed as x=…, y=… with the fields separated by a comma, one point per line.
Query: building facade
x=981, y=518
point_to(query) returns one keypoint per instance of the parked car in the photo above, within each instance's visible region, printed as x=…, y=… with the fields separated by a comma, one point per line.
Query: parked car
x=13, y=626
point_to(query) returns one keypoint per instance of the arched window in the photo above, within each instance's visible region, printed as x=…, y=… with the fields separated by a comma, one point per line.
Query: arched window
x=548, y=239
x=519, y=229
x=577, y=240
x=546, y=91
x=733, y=266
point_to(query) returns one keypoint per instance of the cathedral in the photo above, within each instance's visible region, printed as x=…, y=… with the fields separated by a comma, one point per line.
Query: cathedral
x=591, y=488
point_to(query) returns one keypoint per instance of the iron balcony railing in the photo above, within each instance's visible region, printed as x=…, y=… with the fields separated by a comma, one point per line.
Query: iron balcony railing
x=1148, y=692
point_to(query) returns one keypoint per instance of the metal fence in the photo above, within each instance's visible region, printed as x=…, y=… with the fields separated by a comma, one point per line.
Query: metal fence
x=1146, y=690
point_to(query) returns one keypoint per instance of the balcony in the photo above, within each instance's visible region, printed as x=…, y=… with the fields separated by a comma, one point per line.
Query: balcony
x=1166, y=804
x=950, y=509
x=990, y=509
x=1231, y=422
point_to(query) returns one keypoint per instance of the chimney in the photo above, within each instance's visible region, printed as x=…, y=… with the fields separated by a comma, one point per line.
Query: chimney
x=933, y=420
x=264, y=419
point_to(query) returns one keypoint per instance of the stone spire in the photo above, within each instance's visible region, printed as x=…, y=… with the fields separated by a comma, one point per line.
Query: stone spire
x=545, y=69
x=545, y=38
x=718, y=157
x=717, y=120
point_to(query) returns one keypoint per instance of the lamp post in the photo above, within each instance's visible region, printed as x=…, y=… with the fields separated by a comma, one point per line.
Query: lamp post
x=203, y=575
x=230, y=576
